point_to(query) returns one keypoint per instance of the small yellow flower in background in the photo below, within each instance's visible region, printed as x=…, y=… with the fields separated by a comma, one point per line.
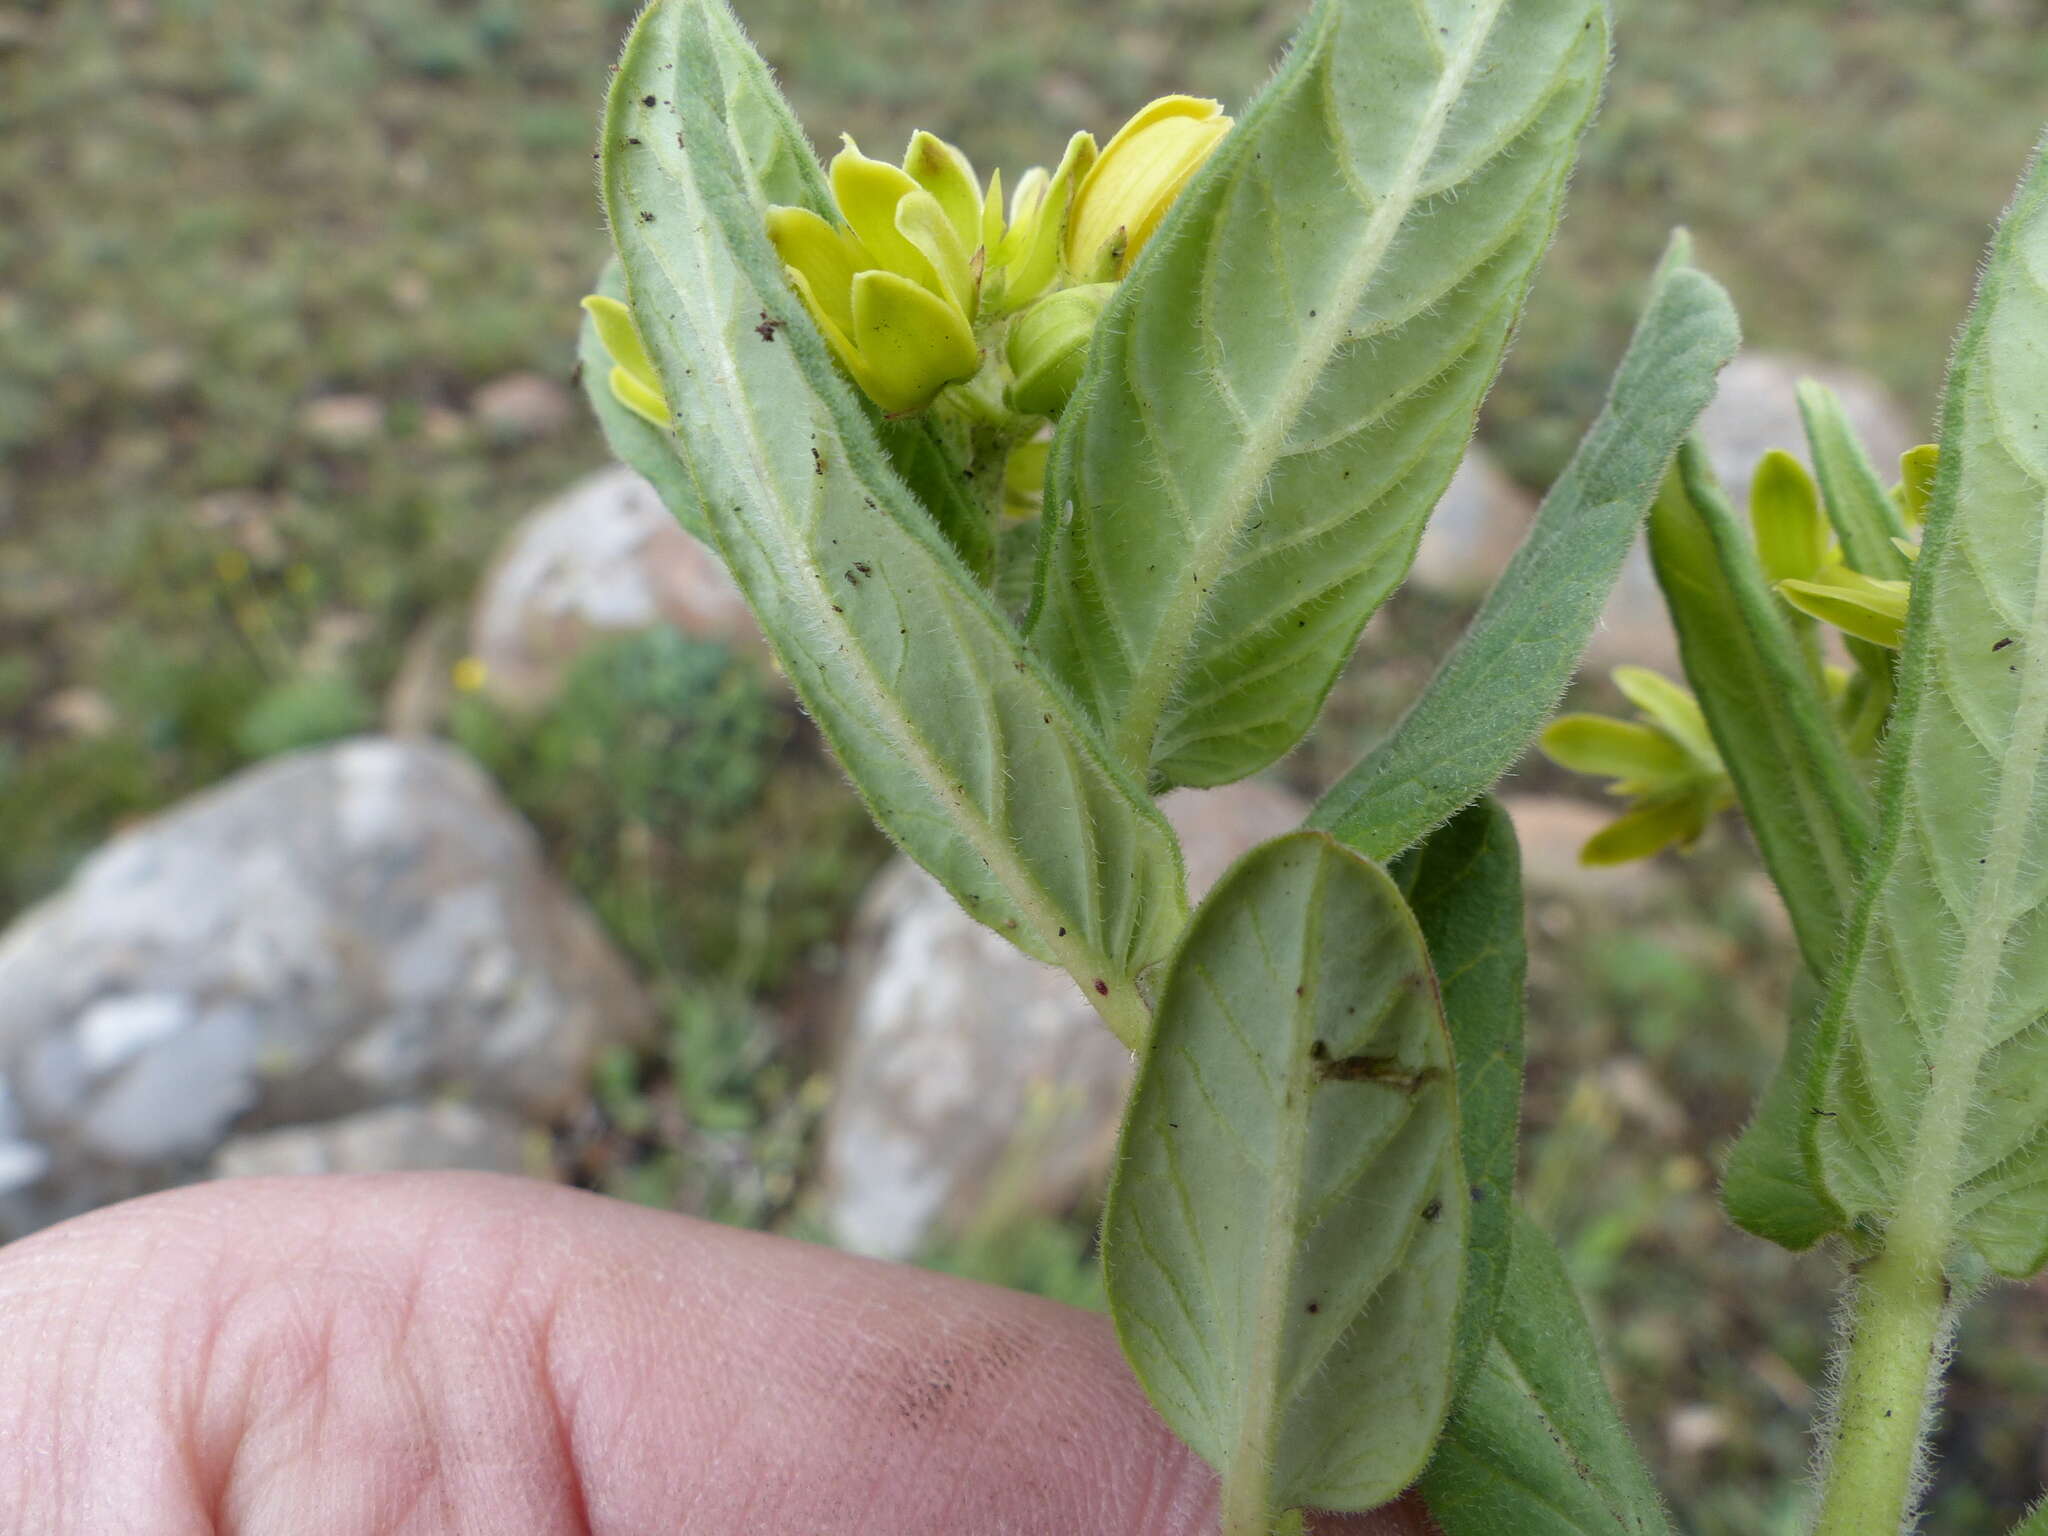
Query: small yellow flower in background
x=1135, y=180
x=634, y=382
x=469, y=674
x=1917, y=468
x=1864, y=606
x=1664, y=763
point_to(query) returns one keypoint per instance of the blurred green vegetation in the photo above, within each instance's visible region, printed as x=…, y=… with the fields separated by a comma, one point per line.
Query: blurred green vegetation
x=258, y=259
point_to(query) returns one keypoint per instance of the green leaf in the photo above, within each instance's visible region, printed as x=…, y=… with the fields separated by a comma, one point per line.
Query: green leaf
x=1933, y=1055
x=1284, y=1239
x=967, y=753
x=1534, y=1446
x=1465, y=887
x=2036, y=1523
x=1769, y=1187
x=1865, y=517
x=1493, y=692
x=639, y=444
x=1283, y=386
x=1800, y=789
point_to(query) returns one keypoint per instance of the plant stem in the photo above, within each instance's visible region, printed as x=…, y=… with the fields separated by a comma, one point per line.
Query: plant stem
x=1894, y=1350
x=1246, y=1511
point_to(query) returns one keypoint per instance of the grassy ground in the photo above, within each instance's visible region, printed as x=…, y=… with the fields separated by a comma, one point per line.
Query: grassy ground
x=219, y=218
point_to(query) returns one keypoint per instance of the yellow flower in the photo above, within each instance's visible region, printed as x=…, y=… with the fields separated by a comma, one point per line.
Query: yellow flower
x=1135, y=180
x=1664, y=763
x=896, y=289
x=635, y=385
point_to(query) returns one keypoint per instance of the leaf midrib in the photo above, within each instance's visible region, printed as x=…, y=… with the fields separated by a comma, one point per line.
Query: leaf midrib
x=1155, y=676
x=1926, y=1215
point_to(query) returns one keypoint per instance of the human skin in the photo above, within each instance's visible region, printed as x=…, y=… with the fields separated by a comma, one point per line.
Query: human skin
x=439, y=1353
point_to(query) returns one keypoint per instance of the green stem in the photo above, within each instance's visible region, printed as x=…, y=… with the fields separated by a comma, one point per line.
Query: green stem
x=1894, y=1350
x=1246, y=1510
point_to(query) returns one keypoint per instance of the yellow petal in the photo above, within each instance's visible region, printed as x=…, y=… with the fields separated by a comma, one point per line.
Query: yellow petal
x=1039, y=215
x=639, y=399
x=992, y=213
x=1784, y=509
x=944, y=171
x=621, y=339
x=909, y=343
x=1646, y=829
x=867, y=192
x=1917, y=467
x=1670, y=706
x=922, y=222
x=826, y=256
x=1616, y=749
x=839, y=338
x=1024, y=478
x=1139, y=174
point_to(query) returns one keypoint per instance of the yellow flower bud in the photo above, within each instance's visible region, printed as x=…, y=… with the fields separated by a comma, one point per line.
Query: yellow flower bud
x=1917, y=467
x=1049, y=343
x=1135, y=180
x=895, y=291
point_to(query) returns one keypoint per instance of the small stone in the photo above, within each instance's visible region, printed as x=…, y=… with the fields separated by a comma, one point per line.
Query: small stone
x=604, y=559
x=343, y=421
x=522, y=406
x=1477, y=526
x=21, y=1163
x=1693, y=1429
x=963, y=1061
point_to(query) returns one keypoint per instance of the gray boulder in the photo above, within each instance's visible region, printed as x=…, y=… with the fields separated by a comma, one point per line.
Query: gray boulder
x=326, y=933
x=962, y=1061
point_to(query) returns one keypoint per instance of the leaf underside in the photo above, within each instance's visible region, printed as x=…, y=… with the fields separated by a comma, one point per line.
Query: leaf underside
x=1284, y=1241
x=1535, y=1446
x=1932, y=1095
x=1493, y=693
x=966, y=752
x=1464, y=886
x=1282, y=388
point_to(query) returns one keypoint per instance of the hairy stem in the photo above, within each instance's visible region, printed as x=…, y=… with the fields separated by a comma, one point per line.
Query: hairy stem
x=1894, y=1350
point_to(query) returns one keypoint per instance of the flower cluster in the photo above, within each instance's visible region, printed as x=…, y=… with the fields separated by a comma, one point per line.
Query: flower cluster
x=923, y=262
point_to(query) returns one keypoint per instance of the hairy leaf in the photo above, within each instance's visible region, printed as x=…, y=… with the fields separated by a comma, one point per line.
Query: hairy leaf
x=966, y=752
x=1492, y=694
x=1534, y=1446
x=1866, y=519
x=1283, y=1242
x=1282, y=388
x=1802, y=793
x=1769, y=1186
x=1932, y=1112
x=1464, y=886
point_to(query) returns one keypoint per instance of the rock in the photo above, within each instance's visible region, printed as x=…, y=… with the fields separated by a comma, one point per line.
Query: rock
x=326, y=933
x=522, y=406
x=343, y=421
x=442, y=1135
x=1757, y=409
x=605, y=558
x=1475, y=530
x=962, y=1060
